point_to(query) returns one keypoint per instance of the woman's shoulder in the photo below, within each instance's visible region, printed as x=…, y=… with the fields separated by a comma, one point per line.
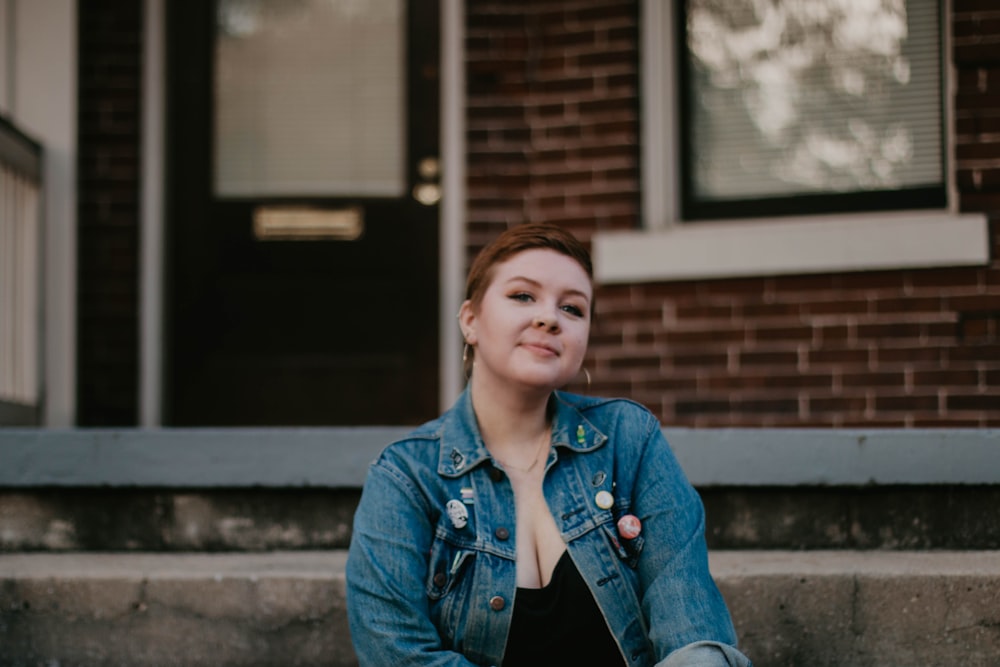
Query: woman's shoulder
x=606, y=406
x=420, y=446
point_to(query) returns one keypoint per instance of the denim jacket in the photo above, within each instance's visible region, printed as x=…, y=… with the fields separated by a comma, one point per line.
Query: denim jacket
x=431, y=571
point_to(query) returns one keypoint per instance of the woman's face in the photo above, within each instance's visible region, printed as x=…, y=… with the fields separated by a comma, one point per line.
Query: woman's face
x=532, y=325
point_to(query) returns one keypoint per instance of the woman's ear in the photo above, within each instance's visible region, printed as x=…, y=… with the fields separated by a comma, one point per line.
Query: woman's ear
x=467, y=322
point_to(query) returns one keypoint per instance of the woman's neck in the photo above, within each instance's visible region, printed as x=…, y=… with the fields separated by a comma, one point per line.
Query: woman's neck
x=509, y=420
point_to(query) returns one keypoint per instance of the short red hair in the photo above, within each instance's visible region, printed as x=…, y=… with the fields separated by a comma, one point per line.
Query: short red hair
x=529, y=236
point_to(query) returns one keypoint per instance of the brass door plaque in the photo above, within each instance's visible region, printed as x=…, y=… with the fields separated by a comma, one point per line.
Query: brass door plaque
x=290, y=223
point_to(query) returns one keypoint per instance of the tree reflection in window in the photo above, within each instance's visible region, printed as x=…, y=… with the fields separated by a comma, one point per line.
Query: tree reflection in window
x=812, y=96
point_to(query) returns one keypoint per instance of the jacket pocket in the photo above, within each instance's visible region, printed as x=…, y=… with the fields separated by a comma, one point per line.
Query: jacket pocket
x=627, y=550
x=445, y=568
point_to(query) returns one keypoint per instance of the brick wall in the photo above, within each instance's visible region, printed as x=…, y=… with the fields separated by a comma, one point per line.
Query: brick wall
x=553, y=135
x=108, y=211
x=553, y=121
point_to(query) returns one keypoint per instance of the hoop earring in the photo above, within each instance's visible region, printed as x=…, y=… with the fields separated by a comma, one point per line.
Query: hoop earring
x=586, y=374
x=466, y=366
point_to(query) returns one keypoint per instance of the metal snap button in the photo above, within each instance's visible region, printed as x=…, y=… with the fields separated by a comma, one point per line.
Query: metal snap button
x=497, y=603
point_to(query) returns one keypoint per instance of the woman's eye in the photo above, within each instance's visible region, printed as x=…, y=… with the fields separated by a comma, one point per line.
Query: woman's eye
x=521, y=296
x=573, y=310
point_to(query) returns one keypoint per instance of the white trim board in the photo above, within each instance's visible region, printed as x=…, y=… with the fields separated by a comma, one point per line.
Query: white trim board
x=817, y=244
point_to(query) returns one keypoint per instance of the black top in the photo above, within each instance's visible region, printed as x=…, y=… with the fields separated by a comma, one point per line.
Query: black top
x=560, y=624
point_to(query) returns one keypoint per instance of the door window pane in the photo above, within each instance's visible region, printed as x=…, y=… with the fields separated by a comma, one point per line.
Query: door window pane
x=309, y=98
x=805, y=97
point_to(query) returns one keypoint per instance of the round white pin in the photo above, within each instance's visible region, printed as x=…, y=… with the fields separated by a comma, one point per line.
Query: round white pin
x=458, y=513
x=604, y=500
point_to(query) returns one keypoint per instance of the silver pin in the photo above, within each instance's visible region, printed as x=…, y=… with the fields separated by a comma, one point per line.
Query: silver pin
x=458, y=514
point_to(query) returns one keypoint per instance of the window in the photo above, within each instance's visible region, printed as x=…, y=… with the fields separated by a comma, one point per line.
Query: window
x=803, y=106
x=844, y=170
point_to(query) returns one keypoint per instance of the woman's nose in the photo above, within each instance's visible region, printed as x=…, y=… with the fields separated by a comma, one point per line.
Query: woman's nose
x=546, y=321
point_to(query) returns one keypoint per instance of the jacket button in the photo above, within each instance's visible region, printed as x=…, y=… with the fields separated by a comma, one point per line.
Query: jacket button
x=502, y=533
x=497, y=603
x=440, y=579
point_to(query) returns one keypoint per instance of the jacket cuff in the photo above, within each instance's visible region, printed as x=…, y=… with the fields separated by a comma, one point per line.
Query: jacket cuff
x=706, y=654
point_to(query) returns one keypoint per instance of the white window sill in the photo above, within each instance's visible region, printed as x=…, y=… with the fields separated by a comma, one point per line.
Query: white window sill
x=769, y=247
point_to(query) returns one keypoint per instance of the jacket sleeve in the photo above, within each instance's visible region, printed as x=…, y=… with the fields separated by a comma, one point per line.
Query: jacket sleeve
x=689, y=624
x=387, y=604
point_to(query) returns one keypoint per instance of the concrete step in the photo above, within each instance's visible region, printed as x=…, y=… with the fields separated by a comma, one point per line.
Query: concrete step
x=817, y=608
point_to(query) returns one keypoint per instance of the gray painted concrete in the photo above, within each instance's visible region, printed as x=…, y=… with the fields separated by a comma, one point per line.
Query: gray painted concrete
x=863, y=609
x=338, y=457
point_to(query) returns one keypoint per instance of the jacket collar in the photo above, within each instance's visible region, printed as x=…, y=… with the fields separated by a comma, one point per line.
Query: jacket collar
x=462, y=447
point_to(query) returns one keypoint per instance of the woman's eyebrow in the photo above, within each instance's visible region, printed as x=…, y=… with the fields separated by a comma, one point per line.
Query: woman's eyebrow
x=532, y=281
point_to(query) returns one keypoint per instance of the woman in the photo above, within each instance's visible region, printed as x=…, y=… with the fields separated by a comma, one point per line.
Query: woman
x=526, y=525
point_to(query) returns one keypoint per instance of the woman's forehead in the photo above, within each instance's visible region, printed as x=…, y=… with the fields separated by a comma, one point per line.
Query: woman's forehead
x=547, y=267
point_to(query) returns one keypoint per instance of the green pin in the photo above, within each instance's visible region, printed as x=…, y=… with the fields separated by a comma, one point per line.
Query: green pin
x=580, y=435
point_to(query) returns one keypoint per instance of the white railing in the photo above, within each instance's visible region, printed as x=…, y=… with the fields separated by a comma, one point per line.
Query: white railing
x=21, y=276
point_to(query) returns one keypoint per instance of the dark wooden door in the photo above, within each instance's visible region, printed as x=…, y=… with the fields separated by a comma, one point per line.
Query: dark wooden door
x=302, y=212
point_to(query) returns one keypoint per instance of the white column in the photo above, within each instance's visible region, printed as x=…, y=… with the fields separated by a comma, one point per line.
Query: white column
x=44, y=104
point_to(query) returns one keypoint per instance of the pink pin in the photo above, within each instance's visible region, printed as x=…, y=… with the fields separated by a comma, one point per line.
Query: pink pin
x=629, y=526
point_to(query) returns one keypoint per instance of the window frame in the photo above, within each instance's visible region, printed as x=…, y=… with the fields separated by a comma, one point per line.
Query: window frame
x=667, y=247
x=864, y=201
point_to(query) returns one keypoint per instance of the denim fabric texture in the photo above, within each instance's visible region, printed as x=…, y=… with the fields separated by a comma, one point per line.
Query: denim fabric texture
x=425, y=587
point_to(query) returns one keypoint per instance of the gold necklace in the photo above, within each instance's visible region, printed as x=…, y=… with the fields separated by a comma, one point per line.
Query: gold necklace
x=546, y=438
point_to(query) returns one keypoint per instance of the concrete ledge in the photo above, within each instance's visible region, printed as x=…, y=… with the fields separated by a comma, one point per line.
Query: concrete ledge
x=821, y=608
x=339, y=457
x=864, y=609
x=187, y=610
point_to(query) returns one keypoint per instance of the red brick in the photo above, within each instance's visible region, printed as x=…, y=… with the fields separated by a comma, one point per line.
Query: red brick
x=840, y=404
x=768, y=358
x=845, y=307
x=633, y=361
x=889, y=331
x=970, y=123
x=910, y=305
x=715, y=336
x=906, y=403
x=877, y=281
x=701, y=406
x=979, y=303
x=977, y=53
x=765, y=334
x=909, y=355
x=855, y=357
x=872, y=379
x=762, y=310
x=977, y=402
x=989, y=353
x=771, y=381
x=980, y=150
x=770, y=405
x=938, y=378
x=979, y=202
x=702, y=359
